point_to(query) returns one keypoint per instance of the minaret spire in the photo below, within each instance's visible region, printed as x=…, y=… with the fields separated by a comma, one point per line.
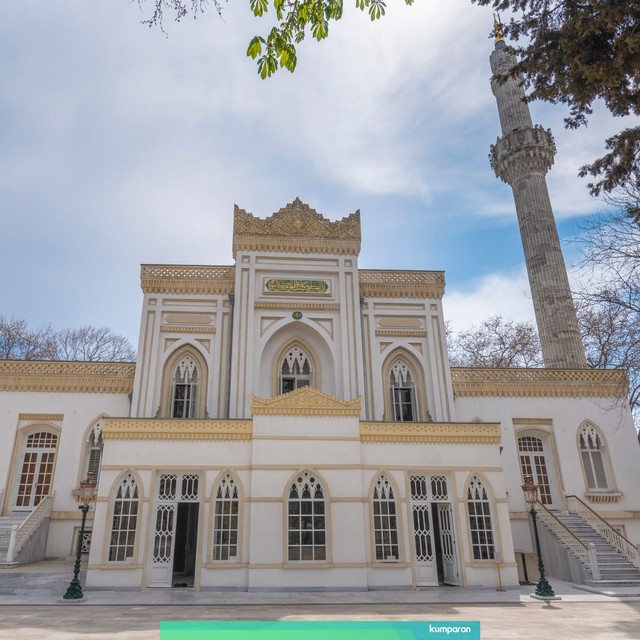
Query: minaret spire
x=521, y=158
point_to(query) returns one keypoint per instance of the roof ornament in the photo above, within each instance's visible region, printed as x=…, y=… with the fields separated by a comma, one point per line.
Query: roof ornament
x=498, y=34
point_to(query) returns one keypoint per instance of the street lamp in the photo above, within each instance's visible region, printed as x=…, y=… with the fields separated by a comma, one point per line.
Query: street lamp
x=85, y=495
x=543, y=589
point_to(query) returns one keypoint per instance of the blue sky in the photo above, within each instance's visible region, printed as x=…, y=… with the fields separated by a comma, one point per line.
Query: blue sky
x=120, y=146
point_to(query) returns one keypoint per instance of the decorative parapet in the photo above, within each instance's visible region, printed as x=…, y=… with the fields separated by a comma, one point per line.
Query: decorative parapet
x=401, y=284
x=177, y=429
x=432, y=432
x=67, y=377
x=190, y=279
x=539, y=383
x=296, y=228
x=306, y=401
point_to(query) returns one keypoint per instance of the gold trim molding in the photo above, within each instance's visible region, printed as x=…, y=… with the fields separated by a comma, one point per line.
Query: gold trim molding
x=432, y=432
x=67, y=377
x=49, y=417
x=189, y=279
x=297, y=306
x=173, y=328
x=177, y=429
x=305, y=402
x=390, y=333
x=401, y=284
x=532, y=421
x=539, y=383
x=603, y=498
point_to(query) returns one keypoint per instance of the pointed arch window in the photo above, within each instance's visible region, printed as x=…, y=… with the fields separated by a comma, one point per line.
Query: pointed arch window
x=306, y=519
x=480, y=524
x=295, y=370
x=185, y=388
x=94, y=453
x=591, y=453
x=385, y=521
x=403, y=392
x=226, y=519
x=125, y=520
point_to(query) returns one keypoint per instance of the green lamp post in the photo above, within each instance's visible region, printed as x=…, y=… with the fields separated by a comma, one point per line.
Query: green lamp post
x=543, y=589
x=85, y=495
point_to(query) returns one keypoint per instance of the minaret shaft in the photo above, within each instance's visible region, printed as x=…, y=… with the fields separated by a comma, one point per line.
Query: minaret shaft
x=521, y=158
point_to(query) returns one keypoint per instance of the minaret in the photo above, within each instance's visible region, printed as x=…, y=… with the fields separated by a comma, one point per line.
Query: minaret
x=521, y=158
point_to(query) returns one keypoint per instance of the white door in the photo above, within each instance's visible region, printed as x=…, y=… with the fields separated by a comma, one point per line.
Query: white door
x=448, y=544
x=424, y=548
x=172, y=489
x=533, y=463
x=36, y=473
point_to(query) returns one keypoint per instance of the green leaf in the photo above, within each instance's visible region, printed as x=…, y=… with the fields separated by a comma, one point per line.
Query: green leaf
x=255, y=47
x=259, y=7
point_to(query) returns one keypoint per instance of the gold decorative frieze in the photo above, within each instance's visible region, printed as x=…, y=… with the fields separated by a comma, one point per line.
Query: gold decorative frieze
x=176, y=429
x=67, y=377
x=296, y=228
x=189, y=279
x=305, y=402
x=49, y=417
x=401, y=284
x=397, y=333
x=432, y=432
x=532, y=421
x=539, y=383
x=282, y=285
x=173, y=328
x=298, y=306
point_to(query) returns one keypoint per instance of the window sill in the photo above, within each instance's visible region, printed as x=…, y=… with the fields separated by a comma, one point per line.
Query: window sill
x=603, y=497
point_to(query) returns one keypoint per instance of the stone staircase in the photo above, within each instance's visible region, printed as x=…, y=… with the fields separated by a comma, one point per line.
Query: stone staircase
x=615, y=569
x=6, y=524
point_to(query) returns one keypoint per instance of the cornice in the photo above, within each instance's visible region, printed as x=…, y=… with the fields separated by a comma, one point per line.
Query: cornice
x=532, y=421
x=305, y=402
x=431, y=432
x=189, y=279
x=177, y=429
x=66, y=377
x=401, y=284
x=539, y=383
x=296, y=228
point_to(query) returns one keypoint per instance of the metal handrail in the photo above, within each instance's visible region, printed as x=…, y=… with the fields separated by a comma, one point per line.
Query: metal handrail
x=601, y=526
x=22, y=532
x=585, y=553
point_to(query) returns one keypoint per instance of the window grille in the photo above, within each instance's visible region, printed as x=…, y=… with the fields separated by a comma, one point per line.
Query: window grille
x=385, y=521
x=480, y=521
x=125, y=521
x=306, y=520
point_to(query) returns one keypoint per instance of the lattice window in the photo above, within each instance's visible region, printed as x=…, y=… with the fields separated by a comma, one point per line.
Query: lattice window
x=534, y=464
x=167, y=486
x=226, y=519
x=295, y=371
x=163, y=538
x=385, y=521
x=439, y=492
x=306, y=520
x=591, y=452
x=480, y=521
x=185, y=388
x=86, y=541
x=125, y=520
x=190, y=488
x=403, y=392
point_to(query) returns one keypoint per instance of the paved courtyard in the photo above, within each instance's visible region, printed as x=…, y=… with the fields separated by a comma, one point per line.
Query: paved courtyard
x=30, y=609
x=562, y=621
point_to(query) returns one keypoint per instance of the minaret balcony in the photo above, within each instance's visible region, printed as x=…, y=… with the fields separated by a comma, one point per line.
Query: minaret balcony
x=521, y=152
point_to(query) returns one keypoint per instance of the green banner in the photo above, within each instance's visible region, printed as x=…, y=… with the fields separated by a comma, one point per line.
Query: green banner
x=320, y=630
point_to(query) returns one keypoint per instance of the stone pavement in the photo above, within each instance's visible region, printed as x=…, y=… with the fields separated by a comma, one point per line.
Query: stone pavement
x=34, y=611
